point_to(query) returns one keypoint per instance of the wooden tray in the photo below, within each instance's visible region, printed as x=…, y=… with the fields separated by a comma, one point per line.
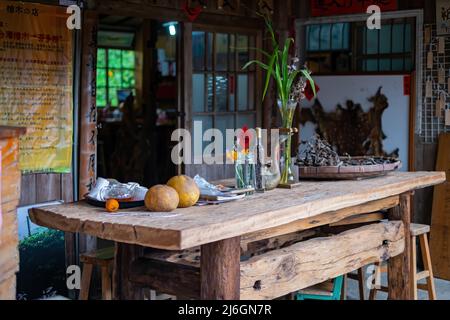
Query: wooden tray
x=122, y=205
x=349, y=172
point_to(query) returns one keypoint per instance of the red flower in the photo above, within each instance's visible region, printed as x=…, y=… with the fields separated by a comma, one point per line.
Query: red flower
x=245, y=138
x=309, y=93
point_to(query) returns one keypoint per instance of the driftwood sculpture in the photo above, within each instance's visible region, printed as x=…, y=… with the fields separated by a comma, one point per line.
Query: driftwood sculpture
x=351, y=130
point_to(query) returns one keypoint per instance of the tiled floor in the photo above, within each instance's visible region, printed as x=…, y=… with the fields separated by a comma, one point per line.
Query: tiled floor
x=442, y=290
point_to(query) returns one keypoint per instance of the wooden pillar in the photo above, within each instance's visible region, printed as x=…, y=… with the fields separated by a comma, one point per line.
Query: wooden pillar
x=399, y=267
x=220, y=270
x=122, y=287
x=88, y=114
x=185, y=88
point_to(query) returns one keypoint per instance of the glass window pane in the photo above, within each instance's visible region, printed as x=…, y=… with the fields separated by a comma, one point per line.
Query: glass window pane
x=397, y=64
x=242, y=85
x=248, y=120
x=128, y=59
x=101, y=77
x=112, y=95
x=101, y=58
x=313, y=37
x=408, y=38
x=251, y=51
x=385, y=64
x=232, y=90
x=385, y=38
x=397, y=38
x=114, y=58
x=408, y=64
x=101, y=97
x=371, y=65
x=198, y=92
x=337, y=36
x=346, y=36
x=242, y=48
x=210, y=88
x=221, y=93
x=209, y=51
x=207, y=123
x=115, y=77
x=232, y=53
x=251, y=91
x=372, y=41
x=198, y=50
x=128, y=79
x=325, y=37
x=221, y=52
x=225, y=122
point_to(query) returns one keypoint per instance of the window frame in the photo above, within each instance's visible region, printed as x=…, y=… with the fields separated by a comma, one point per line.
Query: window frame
x=406, y=15
x=107, y=86
x=359, y=55
x=256, y=112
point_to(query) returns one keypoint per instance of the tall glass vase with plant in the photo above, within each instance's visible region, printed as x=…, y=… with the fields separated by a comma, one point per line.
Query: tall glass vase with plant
x=290, y=81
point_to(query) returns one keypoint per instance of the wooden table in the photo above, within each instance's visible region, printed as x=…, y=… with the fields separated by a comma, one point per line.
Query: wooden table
x=221, y=230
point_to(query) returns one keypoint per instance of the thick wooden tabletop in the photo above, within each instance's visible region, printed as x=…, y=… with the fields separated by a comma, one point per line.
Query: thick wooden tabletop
x=187, y=228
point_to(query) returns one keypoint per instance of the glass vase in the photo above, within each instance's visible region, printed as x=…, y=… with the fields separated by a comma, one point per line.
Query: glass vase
x=245, y=171
x=287, y=110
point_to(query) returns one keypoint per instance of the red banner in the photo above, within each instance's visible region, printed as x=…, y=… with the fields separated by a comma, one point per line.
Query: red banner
x=321, y=8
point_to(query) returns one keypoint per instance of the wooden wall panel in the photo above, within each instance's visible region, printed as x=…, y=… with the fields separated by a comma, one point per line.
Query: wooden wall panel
x=425, y=160
x=10, y=180
x=440, y=225
x=39, y=188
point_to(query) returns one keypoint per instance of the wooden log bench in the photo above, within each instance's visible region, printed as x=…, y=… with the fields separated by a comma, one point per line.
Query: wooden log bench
x=277, y=272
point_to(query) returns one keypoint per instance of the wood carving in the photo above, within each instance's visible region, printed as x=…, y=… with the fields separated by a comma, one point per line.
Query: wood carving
x=350, y=129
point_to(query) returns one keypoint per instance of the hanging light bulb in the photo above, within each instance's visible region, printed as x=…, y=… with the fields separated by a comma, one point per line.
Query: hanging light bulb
x=172, y=30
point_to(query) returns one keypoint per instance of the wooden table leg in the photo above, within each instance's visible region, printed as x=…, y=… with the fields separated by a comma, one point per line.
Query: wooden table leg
x=399, y=267
x=123, y=288
x=220, y=270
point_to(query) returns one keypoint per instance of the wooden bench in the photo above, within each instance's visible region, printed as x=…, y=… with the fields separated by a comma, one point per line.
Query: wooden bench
x=275, y=272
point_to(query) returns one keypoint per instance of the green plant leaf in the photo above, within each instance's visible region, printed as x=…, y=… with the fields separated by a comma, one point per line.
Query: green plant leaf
x=269, y=75
x=259, y=63
x=307, y=75
x=285, y=62
x=263, y=52
x=292, y=78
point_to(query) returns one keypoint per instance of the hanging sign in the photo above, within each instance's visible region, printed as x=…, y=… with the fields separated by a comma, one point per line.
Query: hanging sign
x=442, y=17
x=321, y=8
x=36, y=83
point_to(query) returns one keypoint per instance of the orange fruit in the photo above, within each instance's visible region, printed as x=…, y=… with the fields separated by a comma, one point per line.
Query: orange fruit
x=112, y=205
x=187, y=190
x=161, y=199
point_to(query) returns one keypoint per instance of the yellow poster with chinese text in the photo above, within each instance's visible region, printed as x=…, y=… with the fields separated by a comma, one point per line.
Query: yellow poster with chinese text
x=36, y=83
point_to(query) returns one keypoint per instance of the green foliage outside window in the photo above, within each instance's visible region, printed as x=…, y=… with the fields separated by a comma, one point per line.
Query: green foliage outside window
x=115, y=71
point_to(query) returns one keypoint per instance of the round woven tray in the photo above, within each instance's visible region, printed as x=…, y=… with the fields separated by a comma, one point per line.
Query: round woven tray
x=349, y=172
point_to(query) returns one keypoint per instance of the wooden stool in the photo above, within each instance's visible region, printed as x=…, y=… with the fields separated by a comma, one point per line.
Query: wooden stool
x=421, y=231
x=328, y=290
x=104, y=258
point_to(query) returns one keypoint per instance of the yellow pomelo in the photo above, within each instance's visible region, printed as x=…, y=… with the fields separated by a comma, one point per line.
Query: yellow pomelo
x=187, y=189
x=161, y=198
